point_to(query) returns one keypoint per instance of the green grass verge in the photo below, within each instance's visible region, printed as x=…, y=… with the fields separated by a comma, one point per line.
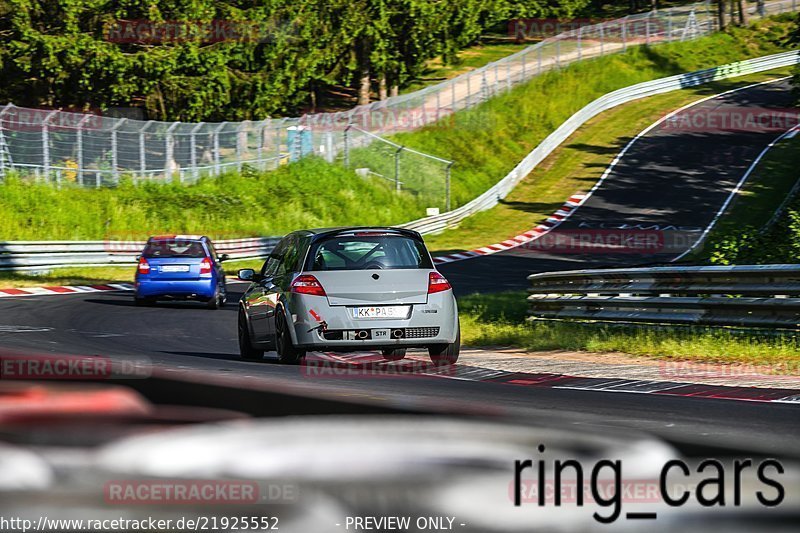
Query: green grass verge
x=499, y=320
x=309, y=193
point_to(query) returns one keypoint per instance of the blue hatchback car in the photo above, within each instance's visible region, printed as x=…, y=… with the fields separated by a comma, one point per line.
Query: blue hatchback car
x=180, y=267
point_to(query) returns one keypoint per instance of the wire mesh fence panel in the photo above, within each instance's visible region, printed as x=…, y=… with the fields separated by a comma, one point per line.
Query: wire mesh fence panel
x=94, y=150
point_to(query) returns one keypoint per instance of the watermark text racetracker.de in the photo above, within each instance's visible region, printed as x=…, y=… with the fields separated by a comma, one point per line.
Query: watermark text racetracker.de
x=732, y=119
x=17, y=366
x=197, y=491
x=612, y=241
x=152, y=32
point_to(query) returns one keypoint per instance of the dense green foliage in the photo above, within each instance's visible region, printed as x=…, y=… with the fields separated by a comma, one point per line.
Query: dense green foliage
x=273, y=56
x=750, y=245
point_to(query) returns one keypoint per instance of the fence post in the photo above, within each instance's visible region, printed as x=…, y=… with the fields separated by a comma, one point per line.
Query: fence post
x=624, y=33
x=397, y=169
x=558, y=52
x=79, y=147
x=168, y=151
x=193, y=150
x=46, y=145
x=447, y=186
x=239, y=130
x=602, y=37
x=114, y=153
x=262, y=138
x=216, y=147
x=347, y=145
x=278, y=130
x=539, y=59
x=142, y=158
x=4, y=148
x=669, y=26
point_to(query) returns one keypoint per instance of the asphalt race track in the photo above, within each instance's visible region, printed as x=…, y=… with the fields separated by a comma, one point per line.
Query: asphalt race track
x=667, y=178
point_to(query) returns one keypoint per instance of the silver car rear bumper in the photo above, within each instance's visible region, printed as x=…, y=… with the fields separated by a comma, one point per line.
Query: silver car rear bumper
x=434, y=322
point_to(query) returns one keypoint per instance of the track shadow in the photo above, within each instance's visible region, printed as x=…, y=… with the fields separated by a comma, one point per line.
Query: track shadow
x=128, y=302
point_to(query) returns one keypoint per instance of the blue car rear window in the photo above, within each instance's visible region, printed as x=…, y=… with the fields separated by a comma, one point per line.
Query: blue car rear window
x=174, y=248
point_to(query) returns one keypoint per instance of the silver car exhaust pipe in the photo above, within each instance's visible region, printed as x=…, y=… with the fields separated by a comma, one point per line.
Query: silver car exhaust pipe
x=362, y=334
x=397, y=333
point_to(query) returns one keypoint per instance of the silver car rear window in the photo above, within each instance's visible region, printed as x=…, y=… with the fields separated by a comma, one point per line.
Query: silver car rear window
x=368, y=252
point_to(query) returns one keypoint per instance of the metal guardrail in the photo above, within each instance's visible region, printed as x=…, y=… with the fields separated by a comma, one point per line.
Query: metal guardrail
x=45, y=255
x=501, y=189
x=749, y=296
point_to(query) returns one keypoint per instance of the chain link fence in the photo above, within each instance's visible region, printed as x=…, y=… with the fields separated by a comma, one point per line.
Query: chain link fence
x=95, y=151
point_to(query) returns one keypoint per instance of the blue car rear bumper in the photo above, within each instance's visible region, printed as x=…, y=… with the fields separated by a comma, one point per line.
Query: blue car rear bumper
x=202, y=288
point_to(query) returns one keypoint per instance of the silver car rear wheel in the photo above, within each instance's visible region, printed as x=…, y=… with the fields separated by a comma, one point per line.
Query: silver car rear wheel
x=446, y=354
x=394, y=354
x=287, y=353
x=246, y=350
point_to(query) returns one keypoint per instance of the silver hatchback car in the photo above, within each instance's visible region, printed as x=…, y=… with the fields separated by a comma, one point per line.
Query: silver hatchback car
x=348, y=289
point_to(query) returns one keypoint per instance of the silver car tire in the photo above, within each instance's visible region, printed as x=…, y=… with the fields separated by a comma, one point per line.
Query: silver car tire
x=446, y=354
x=394, y=354
x=287, y=353
x=246, y=350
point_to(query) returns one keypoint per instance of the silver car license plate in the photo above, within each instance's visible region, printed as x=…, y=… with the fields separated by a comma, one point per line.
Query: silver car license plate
x=387, y=311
